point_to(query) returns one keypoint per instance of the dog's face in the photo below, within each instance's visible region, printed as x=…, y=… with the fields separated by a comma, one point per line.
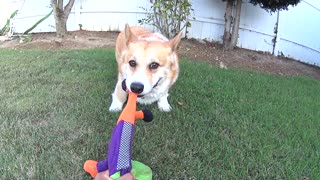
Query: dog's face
x=148, y=64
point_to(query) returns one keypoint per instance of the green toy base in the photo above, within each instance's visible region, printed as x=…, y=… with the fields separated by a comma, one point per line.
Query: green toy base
x=139, y=170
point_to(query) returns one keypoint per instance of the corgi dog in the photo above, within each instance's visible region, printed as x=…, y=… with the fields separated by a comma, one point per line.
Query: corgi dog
x=148, y=64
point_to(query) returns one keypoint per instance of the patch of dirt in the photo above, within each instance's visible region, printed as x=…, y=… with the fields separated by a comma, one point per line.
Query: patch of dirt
x=246, y=59
x=190, y=49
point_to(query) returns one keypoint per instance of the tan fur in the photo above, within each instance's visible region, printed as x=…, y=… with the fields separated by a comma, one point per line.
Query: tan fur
x=145, y=47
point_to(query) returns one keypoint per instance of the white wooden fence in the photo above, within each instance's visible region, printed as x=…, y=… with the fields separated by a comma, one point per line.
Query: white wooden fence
x=297, y=36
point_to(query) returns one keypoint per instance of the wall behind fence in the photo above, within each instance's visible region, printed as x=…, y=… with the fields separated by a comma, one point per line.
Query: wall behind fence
x=297, y=36
x=256, y=25
x=298, y=32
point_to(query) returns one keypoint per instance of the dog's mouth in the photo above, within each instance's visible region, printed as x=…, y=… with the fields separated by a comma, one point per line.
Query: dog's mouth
x=157, y=83
x=141, y=95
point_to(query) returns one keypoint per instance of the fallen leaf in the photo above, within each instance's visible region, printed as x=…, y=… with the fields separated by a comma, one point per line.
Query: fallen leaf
x=180, y=103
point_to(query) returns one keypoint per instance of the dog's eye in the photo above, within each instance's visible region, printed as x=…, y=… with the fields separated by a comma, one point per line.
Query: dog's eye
x=132, y=63
x=154, y=65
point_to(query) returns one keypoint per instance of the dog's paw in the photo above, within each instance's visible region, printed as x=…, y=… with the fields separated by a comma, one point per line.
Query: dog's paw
x=114, y=109
x=115, y=106
x=164, y=106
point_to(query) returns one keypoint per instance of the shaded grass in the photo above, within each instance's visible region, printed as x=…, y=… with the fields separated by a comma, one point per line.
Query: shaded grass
x=225, y=124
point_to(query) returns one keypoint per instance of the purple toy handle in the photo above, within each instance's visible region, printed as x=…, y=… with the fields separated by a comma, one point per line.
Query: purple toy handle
x=119, y=150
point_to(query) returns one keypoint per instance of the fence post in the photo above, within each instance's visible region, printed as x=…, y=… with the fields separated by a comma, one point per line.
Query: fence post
x=275, y=50
x=77, y=14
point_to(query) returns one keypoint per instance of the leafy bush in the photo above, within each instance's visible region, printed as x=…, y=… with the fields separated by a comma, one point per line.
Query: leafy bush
x=6, y=28
x=273, y=6
x=169, y=17
x=38, y=22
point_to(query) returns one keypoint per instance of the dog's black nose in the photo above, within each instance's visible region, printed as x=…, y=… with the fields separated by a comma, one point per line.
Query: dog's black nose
x=136, y=87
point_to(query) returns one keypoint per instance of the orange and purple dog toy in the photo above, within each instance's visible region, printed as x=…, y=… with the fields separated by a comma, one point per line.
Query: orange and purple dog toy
x=119, y=155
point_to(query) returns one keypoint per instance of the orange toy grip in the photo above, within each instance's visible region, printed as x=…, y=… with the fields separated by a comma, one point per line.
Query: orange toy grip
x=128, y=114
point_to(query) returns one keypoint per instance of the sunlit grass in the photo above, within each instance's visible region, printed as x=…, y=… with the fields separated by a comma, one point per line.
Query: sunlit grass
x=225, y=124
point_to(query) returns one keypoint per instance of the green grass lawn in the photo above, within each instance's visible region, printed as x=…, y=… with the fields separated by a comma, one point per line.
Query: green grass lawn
x=225, y=124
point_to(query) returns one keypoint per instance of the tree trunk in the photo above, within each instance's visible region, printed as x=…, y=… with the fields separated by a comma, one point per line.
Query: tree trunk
x=61, y=27
x=61, y=24
x=61, y=15
x=235, y=28
x=227, y=25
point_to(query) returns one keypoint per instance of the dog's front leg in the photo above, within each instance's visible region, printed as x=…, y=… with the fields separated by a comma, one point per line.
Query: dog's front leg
x=119, y=97
x=163, y=103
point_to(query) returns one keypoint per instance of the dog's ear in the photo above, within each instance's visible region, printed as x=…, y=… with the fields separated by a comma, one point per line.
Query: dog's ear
x=174, y=66
x=130, y=37
x=173, y=43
